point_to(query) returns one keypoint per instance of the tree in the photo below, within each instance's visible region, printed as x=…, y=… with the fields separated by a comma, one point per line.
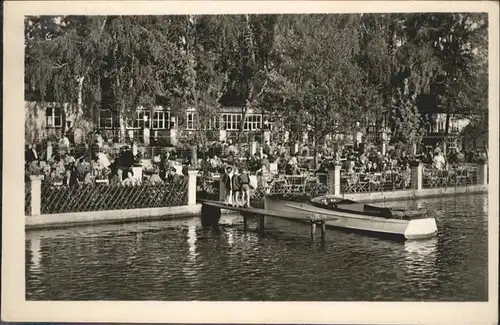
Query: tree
x=406, y=117
x=207, y=72
x=60, y=56
x=320, y=86
x=131, y=59
x=451, y=42
x=248, y=42
x=146, y=60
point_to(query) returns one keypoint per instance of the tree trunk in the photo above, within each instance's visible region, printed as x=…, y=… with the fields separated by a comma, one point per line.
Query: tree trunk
x=251, y=84
x=79, y=105
x=446, y=132
x=315, y=152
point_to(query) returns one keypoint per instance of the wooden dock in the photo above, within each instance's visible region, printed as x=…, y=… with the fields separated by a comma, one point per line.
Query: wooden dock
x=217, y=206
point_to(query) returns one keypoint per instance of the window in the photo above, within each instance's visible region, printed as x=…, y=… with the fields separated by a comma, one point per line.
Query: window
x=53, y=116
x=253, y=122
x=440, y=126
x=231, y=122
x=140, y=121
x=161, y=120
x=213, y=123
x=191, y=120
x=108, y=120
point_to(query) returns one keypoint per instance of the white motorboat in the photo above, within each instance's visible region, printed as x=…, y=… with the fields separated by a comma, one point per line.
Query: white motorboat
x=351, y=215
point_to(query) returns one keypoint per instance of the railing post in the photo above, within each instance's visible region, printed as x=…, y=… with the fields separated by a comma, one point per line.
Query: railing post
x=36, y=194
x=482, y=173
x=416, y=175
x=334, y=180
x=192, y=175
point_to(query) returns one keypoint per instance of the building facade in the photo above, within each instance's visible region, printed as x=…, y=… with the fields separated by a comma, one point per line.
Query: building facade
x=158, y=126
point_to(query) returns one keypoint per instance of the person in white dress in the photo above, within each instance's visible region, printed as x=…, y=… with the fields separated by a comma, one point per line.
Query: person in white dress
x=439, y=161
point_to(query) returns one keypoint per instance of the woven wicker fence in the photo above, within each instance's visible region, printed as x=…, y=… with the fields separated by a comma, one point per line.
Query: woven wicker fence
x=375, y=182
x=60, y=199
x=27, y=198
x=455, y=176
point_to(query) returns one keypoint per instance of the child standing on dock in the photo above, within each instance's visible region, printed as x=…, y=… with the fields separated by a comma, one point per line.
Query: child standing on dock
x=236, y=187
x=245, y=186
x=227, y=180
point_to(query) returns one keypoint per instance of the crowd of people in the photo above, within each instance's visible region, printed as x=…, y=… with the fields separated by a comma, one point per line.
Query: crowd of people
x=66, y=163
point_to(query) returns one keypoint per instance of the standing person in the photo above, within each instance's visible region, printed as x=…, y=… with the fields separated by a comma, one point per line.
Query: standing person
x=227, y=180
x=31, y=154
x=63, y=144
x=294, y=164
x=99, y=140
x=134, y=148
x=267, y=149
x=236, y=188
x=72, y=176
x=244, y=180
x=439, y=161
x=230, y=160
x=265, y=162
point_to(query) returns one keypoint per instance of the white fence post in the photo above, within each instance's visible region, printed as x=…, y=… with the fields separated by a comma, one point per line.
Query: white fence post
x=334, y=180
x=482, y=173
x=192, y=176
x=417, y=175
x=36, y=194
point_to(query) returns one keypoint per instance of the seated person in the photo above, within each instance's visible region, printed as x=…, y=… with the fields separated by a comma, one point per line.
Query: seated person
x=155, y=178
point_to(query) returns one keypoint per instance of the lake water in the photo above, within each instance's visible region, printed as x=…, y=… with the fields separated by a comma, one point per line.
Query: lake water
x=179, y=260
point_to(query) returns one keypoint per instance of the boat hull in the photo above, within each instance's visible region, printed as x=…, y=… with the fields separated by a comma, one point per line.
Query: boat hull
x=421, y=228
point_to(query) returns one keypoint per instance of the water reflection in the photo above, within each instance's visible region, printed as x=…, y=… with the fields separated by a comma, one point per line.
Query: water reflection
x=420, y=257
x=485, y=206
x=35, y=250
x=180, y=260
x=191, y=240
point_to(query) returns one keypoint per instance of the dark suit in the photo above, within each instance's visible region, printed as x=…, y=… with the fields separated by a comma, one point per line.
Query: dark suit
x=236, y=183
x=227, y=181
x=31, y=155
